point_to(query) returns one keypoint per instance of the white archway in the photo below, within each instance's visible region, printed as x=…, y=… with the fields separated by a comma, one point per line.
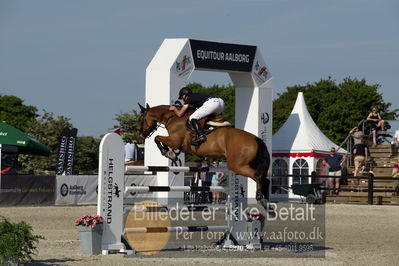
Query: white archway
x=171, y=68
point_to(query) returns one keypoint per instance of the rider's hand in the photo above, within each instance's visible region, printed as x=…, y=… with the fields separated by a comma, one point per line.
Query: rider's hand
x=172, y=108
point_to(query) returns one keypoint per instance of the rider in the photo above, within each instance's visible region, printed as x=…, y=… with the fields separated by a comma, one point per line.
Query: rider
x=205, y=105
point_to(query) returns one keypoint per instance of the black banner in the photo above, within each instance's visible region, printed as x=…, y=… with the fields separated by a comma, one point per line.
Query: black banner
x=62, y=150
x=71, y=151
x=223, y=56
x=27, y=190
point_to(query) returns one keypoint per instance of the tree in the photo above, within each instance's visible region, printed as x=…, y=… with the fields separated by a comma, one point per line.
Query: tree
x=128, y=123
x=47, y=130
x=15, y=113
x=335, y=108
x=86, y=155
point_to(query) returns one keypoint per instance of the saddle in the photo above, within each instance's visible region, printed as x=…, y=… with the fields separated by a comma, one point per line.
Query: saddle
x=208, y=124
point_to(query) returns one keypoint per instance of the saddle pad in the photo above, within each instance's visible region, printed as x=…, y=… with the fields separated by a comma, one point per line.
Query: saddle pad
x=219, y=124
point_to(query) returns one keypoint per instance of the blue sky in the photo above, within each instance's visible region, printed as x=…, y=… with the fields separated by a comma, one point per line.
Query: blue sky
x=86, y=59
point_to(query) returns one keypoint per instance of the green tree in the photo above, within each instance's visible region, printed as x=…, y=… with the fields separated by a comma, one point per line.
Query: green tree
x=335, y=108
x=128, y=123
x=47, y=130
x=86, y=155
x=15, y=112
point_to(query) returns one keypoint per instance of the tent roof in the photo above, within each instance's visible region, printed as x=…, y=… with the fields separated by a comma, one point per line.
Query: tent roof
x=300, y=134
x=12, y=136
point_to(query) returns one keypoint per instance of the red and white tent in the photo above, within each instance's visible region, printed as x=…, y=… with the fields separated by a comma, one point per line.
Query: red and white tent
x=298, y=148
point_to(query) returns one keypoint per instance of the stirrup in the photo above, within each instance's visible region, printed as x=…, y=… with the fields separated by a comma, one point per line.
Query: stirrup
x=200, y=139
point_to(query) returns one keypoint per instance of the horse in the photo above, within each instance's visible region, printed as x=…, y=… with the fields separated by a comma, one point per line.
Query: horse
x=245, y=153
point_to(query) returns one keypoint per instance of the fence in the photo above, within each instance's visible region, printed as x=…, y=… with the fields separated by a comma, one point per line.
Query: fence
x=370, y=187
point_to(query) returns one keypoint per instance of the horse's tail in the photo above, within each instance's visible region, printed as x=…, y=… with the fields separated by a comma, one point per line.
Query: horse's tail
x=261, y=163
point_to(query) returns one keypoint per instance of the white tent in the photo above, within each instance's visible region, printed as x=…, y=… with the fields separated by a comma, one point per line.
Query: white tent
x=298, y=148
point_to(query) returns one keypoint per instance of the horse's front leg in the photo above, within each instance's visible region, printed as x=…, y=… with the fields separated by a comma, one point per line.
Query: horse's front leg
x=163, y=144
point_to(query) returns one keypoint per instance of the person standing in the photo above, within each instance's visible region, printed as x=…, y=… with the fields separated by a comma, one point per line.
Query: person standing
x=361, y=154
x=216, y=178
x=395, y=174
x=395, y=143
x=356, y=134
x=130, y=151
x=333, y=161
x=206, y=181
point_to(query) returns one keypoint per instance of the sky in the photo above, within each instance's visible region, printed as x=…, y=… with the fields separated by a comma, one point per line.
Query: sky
x=86, y=60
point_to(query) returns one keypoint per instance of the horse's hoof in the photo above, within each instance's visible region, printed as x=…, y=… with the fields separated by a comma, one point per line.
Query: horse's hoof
x=171, y=155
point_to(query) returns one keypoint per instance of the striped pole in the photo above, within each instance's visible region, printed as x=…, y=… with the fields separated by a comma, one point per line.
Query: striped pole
x=176, y=229
x=147, y=189
x=183, y=169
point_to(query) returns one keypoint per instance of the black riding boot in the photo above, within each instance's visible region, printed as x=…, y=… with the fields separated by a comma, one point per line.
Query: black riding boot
x=200, y=134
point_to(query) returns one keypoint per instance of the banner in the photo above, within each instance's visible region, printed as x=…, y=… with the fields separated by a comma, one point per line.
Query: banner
x=70, y=151
x=26, y=190
x=76, y=190
x=62, y=149
x=222, y=56
x=82, y=189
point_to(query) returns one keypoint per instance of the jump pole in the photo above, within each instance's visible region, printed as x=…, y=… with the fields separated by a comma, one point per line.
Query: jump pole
x=111, y=193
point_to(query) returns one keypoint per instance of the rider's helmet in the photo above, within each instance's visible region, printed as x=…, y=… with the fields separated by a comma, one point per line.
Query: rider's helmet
x=184, y=91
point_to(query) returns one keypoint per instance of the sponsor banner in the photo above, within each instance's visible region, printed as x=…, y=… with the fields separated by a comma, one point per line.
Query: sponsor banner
x=26, y=190
x=76, y=190
x=184, y=64
x=260, y=71
x=62, y=150
x=70, y=153
x=222, y=56
x=83, y=189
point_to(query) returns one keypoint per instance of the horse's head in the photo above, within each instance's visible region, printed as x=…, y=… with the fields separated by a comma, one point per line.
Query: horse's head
x=148, y=123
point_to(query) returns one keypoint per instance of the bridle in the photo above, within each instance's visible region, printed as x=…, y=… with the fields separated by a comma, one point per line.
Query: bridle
x=148, y=133
x=154, y=126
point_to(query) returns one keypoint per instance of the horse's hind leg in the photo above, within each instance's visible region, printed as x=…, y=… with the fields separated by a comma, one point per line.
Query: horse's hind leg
x=246, y=170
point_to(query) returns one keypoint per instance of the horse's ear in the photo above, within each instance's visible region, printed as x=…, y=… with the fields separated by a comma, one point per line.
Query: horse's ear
x=142, y=109
x=148, y=106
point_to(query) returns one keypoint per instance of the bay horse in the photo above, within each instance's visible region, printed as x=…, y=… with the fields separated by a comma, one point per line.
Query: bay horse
x=245, y=153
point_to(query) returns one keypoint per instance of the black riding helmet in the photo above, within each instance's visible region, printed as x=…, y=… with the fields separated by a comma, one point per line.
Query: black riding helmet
x=185, y=91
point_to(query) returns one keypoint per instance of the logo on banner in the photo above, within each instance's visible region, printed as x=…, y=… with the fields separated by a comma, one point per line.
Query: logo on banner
x=64, y=190
x=242, y=191
x=261, y=72
x=116, y=190
x=183, y=66
x=265, y=118
x=72, y=190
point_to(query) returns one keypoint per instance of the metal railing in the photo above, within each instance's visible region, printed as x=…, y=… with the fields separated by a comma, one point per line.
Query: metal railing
x=367, y=133
x=370, y=186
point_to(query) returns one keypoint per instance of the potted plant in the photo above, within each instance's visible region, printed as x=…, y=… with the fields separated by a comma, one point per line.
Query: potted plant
x=90, y=229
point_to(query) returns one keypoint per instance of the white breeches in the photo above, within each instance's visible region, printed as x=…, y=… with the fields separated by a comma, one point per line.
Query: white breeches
x=213, y=106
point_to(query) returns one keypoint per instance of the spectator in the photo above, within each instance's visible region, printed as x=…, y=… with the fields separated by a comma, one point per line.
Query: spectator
x=206, y=181
x=395, y=173
x=356, y=134
x=333, y=162
x=130, y=151
x=216, y=178
x=361, y=154
x=376, y=123
x=395, y=143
